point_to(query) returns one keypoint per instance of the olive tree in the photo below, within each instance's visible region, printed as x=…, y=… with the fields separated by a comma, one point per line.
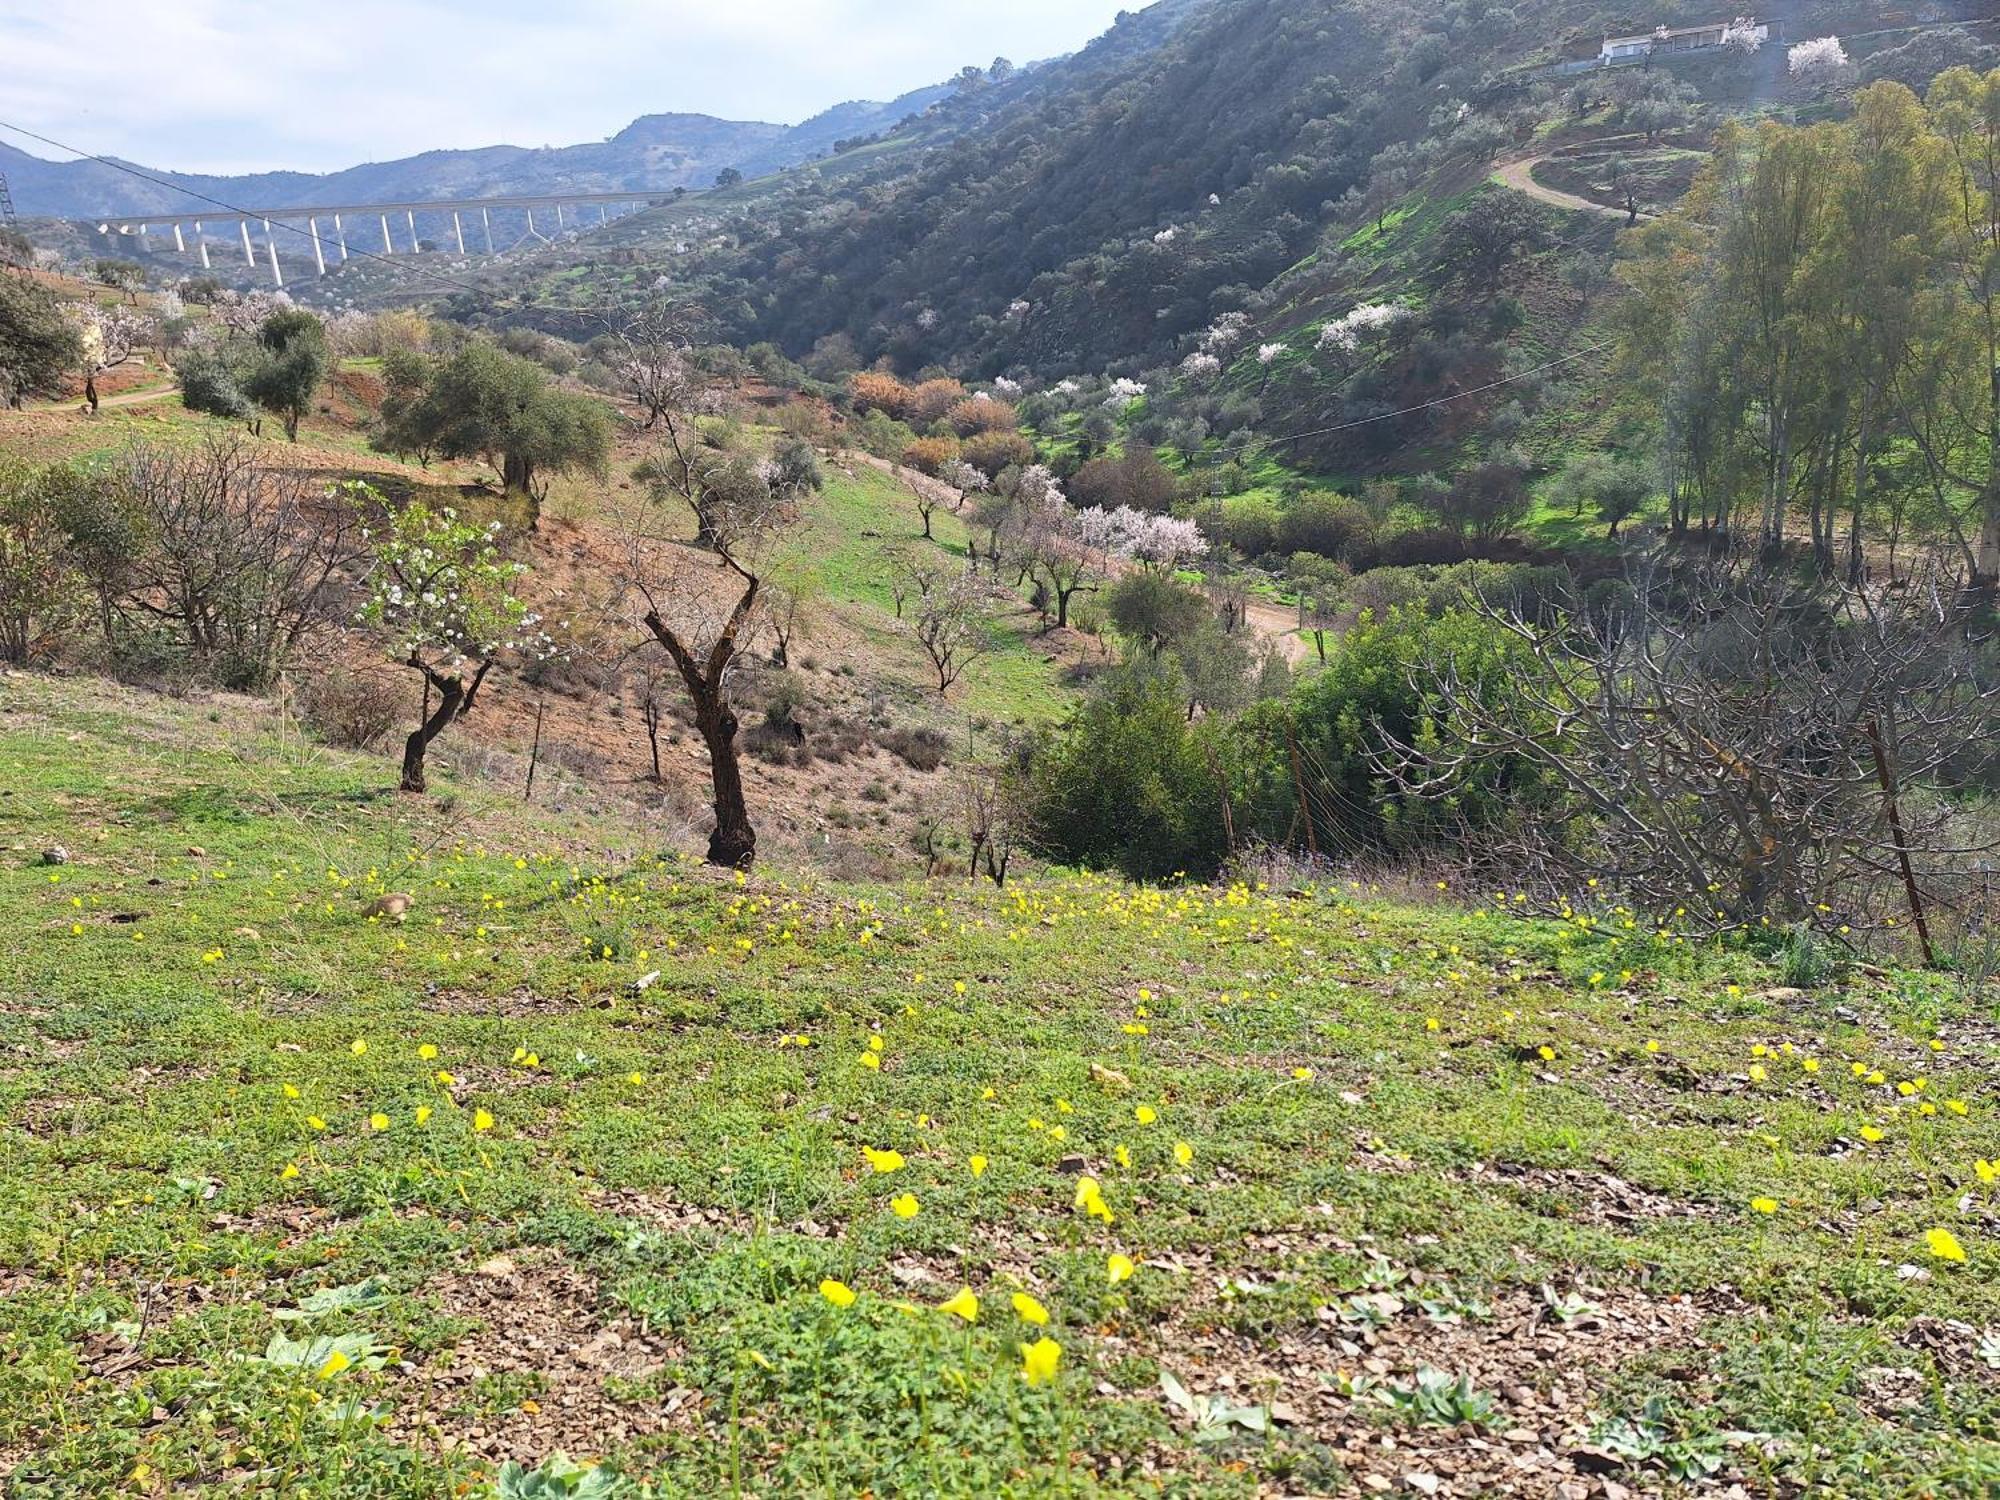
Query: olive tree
x=38, y=344
x=483, y=402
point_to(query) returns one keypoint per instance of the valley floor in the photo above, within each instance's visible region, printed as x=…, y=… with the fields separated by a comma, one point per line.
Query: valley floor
x=1287, y=1191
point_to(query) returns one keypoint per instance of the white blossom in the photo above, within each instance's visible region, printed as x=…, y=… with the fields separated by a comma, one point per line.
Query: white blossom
x=1817, y=58
x=1225, y=333
x=1269, y=353
x=1744, y=35
x=1038, y=486
x=1345, y=333
x=1020, y=307
x=1156, y=541
x=1123, y=392
x=1007, y=388
x=927, y=319
x=1165, y=236
x=962, y=476
x=1201, y=367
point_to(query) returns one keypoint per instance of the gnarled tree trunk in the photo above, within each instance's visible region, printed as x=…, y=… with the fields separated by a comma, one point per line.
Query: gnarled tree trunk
x=455, y=699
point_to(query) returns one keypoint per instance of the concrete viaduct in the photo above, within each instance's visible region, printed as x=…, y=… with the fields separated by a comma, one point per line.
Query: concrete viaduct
x=366, y=216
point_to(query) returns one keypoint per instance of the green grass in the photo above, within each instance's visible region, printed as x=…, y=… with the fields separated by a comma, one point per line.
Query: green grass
x=852, y=522
x=1359, y=1084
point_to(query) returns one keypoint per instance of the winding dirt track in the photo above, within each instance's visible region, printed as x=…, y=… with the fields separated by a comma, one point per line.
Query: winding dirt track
x=1519, y=176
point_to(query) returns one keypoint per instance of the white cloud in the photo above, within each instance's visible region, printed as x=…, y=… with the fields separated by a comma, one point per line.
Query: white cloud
x=203, y=85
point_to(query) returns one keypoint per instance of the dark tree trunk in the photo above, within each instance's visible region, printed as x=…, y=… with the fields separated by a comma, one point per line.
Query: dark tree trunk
x=733, y=844
x=418, y=745
x=455, y=699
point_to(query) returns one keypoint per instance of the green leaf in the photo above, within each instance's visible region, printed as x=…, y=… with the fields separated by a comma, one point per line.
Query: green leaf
x=362, y=1296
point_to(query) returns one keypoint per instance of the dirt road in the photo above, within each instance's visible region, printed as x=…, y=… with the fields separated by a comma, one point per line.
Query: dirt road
x=1519, y=175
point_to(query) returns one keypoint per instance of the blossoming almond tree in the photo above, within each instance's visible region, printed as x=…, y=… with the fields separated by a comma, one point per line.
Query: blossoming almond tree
x=446, y=597
x=1821, y=58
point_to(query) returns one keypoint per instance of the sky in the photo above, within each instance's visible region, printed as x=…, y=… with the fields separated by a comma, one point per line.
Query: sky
x=256, y=85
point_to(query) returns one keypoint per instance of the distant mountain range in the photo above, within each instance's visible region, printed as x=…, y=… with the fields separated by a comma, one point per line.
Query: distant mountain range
x=654, y=152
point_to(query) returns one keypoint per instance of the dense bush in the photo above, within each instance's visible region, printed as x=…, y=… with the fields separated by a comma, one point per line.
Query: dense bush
x=1135, y=784
x=1331, y=525
x=1129, y=785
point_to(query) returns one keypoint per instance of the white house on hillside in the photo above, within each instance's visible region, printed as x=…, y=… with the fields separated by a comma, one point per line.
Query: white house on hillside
x=1744, y=32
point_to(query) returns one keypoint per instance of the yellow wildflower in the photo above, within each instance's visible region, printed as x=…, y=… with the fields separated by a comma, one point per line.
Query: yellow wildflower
x=1039, y=1361
x=1945, y=1246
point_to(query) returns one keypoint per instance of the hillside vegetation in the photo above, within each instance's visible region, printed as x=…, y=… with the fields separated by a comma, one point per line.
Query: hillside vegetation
x=1263, y=763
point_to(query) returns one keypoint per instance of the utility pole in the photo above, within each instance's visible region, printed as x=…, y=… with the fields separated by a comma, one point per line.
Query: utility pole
x=6, y=203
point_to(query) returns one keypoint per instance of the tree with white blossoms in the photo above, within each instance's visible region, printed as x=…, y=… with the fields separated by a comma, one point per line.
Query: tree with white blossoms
x=1225, y=333
x=954, y=475
x=1818, y=60
x=1159, y=543
x=1053, y=541
x=1268, y=356
x=942, y=605
x=110, y=337
x=1344, y=334
x=1123, y=392
x=1742, y=35
x=1201, y=367
x=446, y=597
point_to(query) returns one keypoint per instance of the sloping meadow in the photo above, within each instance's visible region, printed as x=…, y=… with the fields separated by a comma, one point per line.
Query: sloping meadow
x=777, y=1186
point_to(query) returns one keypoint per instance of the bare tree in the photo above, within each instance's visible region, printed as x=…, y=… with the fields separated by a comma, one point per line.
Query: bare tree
x=1735, y=747
x=994, y=817
x=653, y=349
x=795, y=591
x=655, y=686
x=739, y=509
x=241, y=562
x=948, y=616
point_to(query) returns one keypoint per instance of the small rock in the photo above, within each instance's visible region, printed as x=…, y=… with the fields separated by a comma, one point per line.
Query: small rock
x=55, y=854
x=1423, y=1484
x=498, y=1266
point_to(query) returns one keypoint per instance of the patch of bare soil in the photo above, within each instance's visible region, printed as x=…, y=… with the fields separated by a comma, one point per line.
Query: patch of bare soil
x=1544, y=1371
x=535, y=1374
x=1587, y=1197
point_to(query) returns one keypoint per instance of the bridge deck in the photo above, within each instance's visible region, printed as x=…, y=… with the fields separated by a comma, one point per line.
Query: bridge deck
x=207, y=212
